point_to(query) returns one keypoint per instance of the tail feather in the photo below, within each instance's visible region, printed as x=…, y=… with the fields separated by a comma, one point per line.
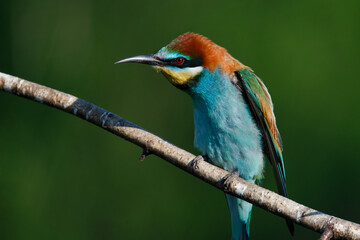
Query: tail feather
x=240, y=211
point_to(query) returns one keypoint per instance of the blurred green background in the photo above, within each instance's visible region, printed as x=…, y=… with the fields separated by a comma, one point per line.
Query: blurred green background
x=63, y=178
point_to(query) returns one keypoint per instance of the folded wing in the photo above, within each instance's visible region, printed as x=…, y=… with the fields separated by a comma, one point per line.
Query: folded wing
x=259, y=101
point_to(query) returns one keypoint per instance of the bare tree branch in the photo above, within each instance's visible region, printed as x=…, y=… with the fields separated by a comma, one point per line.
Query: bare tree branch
x=270, y=201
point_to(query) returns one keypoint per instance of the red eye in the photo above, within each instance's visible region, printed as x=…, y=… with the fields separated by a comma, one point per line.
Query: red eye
x=180, y=60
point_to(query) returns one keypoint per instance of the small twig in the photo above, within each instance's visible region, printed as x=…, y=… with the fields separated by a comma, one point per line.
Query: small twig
x=144, y=154
x=328, y=233
x=238, y=187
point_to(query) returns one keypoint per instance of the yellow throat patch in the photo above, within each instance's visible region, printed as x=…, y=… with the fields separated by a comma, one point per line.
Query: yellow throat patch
x=179, y=76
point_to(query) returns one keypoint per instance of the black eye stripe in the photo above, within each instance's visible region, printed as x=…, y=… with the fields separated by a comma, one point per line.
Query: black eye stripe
x=186, y=63
x=174, y=62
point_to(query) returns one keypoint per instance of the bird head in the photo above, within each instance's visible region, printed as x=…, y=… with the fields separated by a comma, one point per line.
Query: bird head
x=184, y=59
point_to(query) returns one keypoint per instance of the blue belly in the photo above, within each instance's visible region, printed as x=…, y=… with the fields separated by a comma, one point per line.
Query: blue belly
x=224, y=128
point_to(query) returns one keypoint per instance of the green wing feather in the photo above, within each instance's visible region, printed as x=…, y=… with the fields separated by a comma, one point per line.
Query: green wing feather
x=259, y=101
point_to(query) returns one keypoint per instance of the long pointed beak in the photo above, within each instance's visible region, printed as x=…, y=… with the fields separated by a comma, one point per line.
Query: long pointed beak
x=145, y=59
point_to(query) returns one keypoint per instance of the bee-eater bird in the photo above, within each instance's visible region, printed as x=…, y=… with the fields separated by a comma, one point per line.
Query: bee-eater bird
x=233, y=114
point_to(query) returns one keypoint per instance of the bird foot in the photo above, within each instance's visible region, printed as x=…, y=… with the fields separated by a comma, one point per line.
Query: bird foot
x=226, y=181
x=194, y=164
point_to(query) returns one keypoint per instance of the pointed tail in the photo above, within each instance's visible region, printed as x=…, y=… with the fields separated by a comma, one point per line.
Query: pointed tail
x=240, y=211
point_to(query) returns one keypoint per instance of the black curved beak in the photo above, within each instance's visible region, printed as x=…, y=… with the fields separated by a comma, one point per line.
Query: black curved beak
x=149, y=59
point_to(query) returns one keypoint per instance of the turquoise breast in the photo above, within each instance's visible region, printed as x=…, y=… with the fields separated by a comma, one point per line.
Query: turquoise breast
x=224, y=128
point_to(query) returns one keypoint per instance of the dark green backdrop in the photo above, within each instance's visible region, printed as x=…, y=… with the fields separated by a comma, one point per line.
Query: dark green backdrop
x=63, y=178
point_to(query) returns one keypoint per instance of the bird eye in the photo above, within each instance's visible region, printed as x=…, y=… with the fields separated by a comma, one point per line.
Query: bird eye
x=180, y=60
